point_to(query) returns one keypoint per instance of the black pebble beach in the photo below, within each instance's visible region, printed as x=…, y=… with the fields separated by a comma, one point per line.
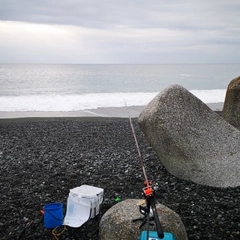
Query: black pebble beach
x=42, y=159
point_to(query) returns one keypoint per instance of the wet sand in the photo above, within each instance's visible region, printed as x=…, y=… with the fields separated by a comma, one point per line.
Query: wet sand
x=119, y=112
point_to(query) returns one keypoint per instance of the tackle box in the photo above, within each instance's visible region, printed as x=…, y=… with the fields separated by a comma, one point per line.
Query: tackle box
x=154, y=236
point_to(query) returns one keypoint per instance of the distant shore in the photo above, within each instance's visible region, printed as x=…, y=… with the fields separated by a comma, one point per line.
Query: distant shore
x=118, y=112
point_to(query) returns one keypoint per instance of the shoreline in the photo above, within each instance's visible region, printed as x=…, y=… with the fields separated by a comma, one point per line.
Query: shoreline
x=108, y=112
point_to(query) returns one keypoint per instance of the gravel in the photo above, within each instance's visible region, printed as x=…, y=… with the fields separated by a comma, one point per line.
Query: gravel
x=41, y=159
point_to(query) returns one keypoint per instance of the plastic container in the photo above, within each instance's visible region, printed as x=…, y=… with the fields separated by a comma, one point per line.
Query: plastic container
x=153, y=236
x=83, y=203
x=53, y=215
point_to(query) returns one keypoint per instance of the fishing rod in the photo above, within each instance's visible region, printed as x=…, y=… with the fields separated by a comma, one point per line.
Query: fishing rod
x=149, y=195
x=139, y=153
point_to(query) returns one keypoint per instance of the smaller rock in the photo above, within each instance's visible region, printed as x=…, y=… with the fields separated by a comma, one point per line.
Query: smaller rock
x=117, y=222
x=231, y=108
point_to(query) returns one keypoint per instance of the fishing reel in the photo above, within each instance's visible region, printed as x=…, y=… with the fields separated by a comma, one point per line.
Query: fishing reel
x=148, y=189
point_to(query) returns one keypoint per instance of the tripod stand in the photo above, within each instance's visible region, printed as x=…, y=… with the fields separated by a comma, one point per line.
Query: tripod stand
x=146, y=211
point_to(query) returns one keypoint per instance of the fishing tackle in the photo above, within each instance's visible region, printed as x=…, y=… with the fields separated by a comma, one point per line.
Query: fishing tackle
x=149, y=196
x=150, y=209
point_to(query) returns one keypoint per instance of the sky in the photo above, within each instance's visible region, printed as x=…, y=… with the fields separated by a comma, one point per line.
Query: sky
x=120, y=31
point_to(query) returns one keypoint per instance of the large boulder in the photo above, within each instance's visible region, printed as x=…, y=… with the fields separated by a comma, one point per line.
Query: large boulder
x=231, y=108
x=117, y=222
x=192, y=141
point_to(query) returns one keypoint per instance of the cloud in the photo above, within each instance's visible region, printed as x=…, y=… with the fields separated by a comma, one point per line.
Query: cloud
x=111, y=13
x=114, y=31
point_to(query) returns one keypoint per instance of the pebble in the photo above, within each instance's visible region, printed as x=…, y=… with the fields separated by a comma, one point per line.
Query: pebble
x=42, y=160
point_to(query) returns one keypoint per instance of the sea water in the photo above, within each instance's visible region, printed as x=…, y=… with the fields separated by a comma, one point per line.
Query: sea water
x=80, y=87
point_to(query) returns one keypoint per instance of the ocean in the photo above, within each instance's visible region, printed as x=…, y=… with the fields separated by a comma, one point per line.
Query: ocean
x=75, y=87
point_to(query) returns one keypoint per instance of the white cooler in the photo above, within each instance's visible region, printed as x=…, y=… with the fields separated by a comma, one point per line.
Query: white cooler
x=83, y=203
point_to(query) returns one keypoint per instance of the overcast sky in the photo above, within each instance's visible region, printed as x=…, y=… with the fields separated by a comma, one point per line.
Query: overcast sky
x=120, y=31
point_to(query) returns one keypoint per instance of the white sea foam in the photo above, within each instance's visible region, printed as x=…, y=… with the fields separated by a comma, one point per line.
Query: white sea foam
x=67, y=103
x=210, y=96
